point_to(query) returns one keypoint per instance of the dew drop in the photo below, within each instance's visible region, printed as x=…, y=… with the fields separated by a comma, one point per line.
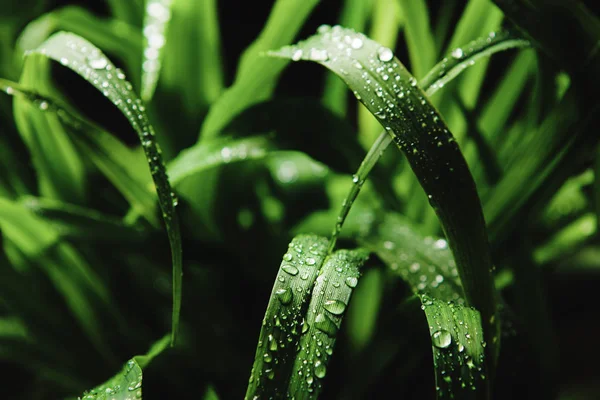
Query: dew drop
x=290, y=269
x=284, y=295
x=297, y=55
x=98, y=62
x=325, y=324
x=288, y=256
x=335, y=307
x=457, y=53
x=320, y=369
x=441, y=339
x=318, y=55
x=267, y=357
x=356, y=43
x=351, y=281
x=385, y=54
x=310, y=261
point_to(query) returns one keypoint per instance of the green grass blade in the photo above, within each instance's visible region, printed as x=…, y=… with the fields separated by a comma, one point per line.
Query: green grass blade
x=419, y=36
x=80, y=223
x=331, y=294
x=284, y=319
x=257, y=75
x=387, y=89
x=58, y=165
x=127, y=384
x=127, y=11
x=355, y=14
x=88, y=61
x=115, y=37
x=156, y=23
x=458, y=349
x=193, y=67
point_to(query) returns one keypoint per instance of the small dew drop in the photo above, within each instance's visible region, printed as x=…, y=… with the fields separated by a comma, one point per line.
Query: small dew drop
x=318, y=55
x=457, y=53
x=297, y=55
x=310, y=261
x=97, y=62
x=320, y=370
x=284, y=295
x=290, y=269
x=356, y=43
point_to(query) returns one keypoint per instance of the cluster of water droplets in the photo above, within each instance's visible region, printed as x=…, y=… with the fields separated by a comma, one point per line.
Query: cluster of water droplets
x=158, y=14
x=126, y=386
x=457, y=338
x=89, y=62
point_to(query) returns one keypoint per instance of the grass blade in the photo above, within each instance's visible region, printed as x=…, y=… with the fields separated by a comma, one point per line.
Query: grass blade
x=88, y=61
x=387, y=89
x=284, y=319
x=331, y=294
x=128, y=382
x=256, y=76
x=419, y=36
x=156, y=23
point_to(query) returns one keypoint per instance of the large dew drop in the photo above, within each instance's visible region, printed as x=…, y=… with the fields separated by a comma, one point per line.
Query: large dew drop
x=335, y=307
x=385, y=54
x=326, y=325
x=441, y=339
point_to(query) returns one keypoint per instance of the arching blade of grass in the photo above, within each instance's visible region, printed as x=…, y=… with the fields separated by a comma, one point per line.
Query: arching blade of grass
x=88, y=61
x=355, y=14
x=115, y=37
x=156, y=24
x=128, y=11
x=284, y=320
x=442, y=73
x=80, y=223
x=127, y=384
x=419, y=37
x=387, y=89
x=257, y=75
x=125, y=168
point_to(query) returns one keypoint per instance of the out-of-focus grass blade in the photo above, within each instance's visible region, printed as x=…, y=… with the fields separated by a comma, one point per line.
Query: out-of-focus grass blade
x=567, y=240
x=80, y=223
x=127, y=384
x=355, y=14
x=331, y=294
x=125, y=168
x=387, y=89
x=127, y=11
x=257, y=75
x=284, y=320
x=458, y=349
x=59, y=168
x=88, y=61
x=192, y=67
x=115, y=37
x=425, y=263
x=156, y=23
x=419, y=37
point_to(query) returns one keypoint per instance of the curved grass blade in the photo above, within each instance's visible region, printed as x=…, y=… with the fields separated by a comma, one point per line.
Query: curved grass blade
x=127, y=384
x=88, y=61
x=284, y=319
x=458, y=349
x=125, y=168
x=256, y=76
x=156, y=23
x=442, y=73
x=80, y=223
x=331, y=294
x=387, y=89
x=128, y=11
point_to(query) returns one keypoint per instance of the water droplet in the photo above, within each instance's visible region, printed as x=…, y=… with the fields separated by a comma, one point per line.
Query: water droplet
x=290, y=269
x=441, y=339
x=288, y=256
x=355, y=178
x=310, y=261
x=318, y=55
x=440, y=244
x=43, y=105
x=270, y=373
x=414, y=267
x=335, y=307
x=457, y=53
x=385, y=54
x=461, y=348
x=325, y=324
x=97, y=62
x=297, y=55
x=323, y=28
x=351, y=281
x=284, y=295
x=388, y=245
x=267, y=357
x=320, y=369
x=356, y=43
